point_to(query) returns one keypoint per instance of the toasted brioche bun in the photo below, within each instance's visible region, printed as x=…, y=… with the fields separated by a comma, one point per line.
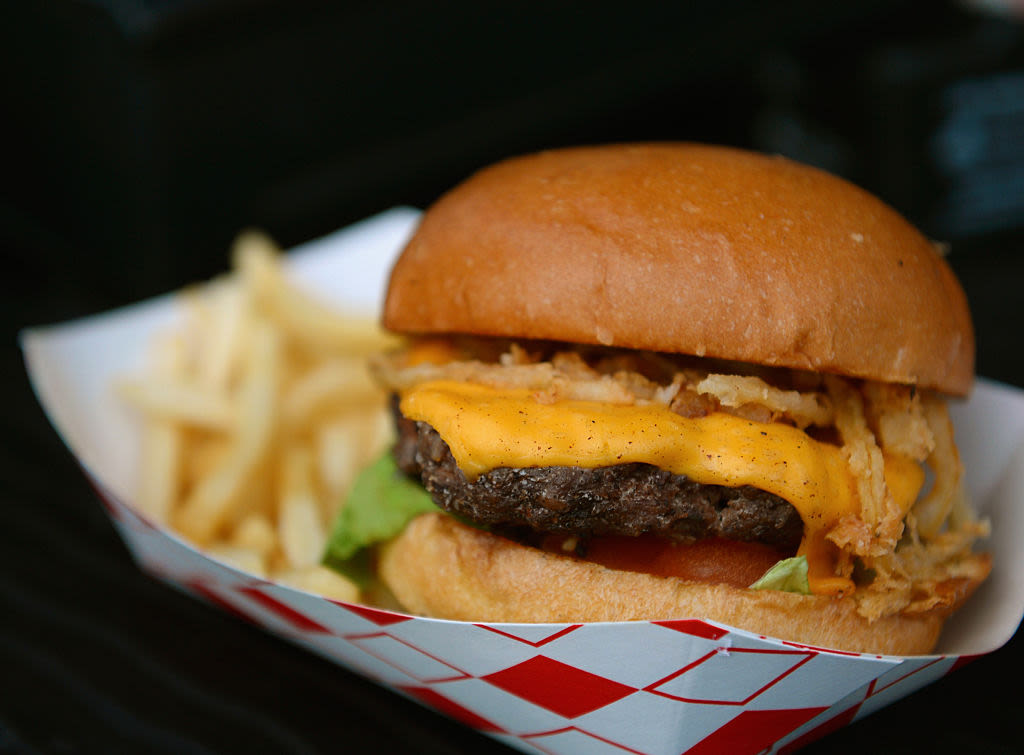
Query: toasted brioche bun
x=688, y=249
x=439, y=567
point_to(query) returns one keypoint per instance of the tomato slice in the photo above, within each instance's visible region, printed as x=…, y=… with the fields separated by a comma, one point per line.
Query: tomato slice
x=713, y=560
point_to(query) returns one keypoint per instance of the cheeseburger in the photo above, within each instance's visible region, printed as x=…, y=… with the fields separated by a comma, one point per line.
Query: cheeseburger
x=668, y=380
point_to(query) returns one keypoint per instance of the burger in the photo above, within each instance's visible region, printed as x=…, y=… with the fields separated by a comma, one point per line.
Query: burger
x=658, y=381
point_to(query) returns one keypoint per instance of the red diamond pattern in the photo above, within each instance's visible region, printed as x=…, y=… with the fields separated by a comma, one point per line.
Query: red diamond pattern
x=694, y=627
x=558, y=687
x=788, y=662
x=961, y=662
x=557, y=634
x=197, y=586
x=753, y=731
x=450, y=708
x=299, y=621
x=833, y=724
x=407, y=657
x=879, y=686
x=378, y=617
x=580, y=741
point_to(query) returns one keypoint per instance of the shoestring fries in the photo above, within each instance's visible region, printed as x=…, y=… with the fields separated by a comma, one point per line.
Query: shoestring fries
x=257, y=412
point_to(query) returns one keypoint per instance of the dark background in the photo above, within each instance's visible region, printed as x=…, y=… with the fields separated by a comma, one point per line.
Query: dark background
x=140, y=136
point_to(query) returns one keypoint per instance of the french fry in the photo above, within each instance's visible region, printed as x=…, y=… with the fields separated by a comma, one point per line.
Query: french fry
x=244, y=559
x=380, y=434
x=206, y=452
x=300, y=529
x=180, y=400
x=220, y=350
x=346, y=445
x=338, y=456
x=322, y=581
x=307, y=321
x=255, y=532
x=337, y=382
x=257, y=420
x=258, y=495
x=211, y=502
x=162, y=443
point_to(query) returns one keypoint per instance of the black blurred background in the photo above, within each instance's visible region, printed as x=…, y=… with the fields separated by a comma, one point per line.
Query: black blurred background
x=143, y=134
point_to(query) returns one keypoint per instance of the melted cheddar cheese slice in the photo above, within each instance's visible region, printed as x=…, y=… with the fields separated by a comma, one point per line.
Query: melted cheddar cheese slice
x=487, y=428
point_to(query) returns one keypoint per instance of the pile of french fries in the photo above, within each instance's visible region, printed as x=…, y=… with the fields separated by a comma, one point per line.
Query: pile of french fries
x=258, y=413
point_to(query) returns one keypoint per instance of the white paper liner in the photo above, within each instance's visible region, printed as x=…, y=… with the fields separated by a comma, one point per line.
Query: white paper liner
x=649, y=687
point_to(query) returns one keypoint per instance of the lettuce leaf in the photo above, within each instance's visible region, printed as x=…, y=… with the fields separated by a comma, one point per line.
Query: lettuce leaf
x=382, y=502
x=788, y=575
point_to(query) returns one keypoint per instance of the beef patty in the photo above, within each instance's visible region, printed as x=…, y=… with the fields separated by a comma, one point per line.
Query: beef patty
x=624, y=499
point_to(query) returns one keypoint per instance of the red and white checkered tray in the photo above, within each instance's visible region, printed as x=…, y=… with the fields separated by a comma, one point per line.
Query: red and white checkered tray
x=680, y=685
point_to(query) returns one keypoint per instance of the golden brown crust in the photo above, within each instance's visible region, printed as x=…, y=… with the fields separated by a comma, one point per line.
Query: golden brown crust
x=689, y=249
x=441, y=568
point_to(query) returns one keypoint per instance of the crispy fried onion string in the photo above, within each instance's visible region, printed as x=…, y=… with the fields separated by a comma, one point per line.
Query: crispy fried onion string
x=737, y=390
x=933, y=562
x=880, y=523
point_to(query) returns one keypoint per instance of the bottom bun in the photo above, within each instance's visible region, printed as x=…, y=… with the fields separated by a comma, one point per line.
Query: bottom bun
x=441, y=568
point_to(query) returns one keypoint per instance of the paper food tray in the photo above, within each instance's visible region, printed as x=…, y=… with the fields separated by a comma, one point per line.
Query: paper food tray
x=684, y=685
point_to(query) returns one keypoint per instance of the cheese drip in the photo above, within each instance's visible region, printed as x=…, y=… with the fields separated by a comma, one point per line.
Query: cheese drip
x=487, y=428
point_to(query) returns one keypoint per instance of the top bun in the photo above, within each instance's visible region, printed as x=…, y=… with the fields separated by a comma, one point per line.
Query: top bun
x=687, y=249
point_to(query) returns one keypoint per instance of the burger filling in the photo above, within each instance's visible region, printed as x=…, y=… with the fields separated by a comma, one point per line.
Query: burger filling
x=624, y=499
x=628, y=516
x=669, y=464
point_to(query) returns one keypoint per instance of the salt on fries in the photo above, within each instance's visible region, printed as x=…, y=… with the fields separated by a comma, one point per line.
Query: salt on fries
x=257, y=413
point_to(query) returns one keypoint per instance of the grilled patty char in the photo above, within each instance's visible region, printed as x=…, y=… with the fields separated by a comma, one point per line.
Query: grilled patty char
x=625, y=499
